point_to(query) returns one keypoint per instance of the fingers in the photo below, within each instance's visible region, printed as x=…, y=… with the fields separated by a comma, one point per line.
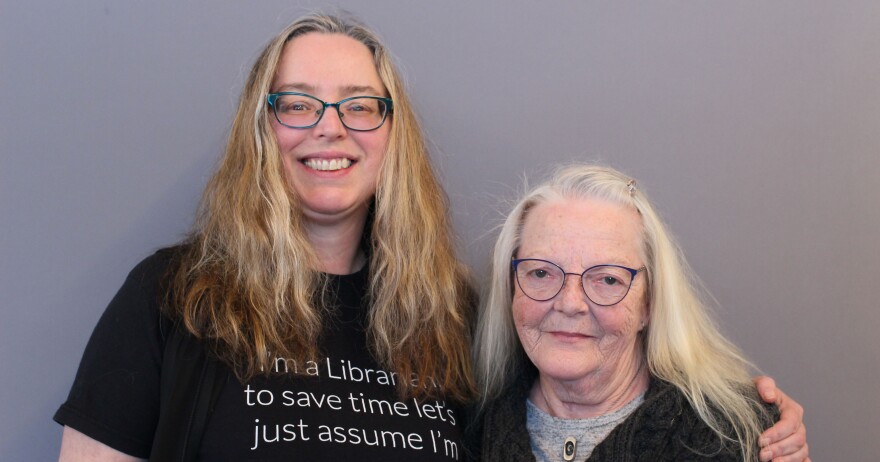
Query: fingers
x=798, y=456
x=766, y=388
x=791, y=419
x=786, y=440
x=794, y=448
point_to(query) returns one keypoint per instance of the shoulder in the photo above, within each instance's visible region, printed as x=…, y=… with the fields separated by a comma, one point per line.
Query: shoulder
x=149, y=282
x=500, y=428
x=666, y=427
x=510, y=405
x=154, y=270
x=137, y=307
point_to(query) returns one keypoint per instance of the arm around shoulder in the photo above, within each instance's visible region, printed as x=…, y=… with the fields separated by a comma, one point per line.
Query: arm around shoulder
x=76, y=447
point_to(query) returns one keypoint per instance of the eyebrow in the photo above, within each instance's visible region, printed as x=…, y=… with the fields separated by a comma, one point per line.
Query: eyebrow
x=301, y=87
x=344, y=91
x=585, y=266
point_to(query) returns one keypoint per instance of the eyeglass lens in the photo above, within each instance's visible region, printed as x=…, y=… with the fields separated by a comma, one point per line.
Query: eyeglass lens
x=300, y=111
x=542, y=280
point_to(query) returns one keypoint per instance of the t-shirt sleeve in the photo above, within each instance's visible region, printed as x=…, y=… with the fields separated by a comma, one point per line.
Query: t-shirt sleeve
x=115, y=396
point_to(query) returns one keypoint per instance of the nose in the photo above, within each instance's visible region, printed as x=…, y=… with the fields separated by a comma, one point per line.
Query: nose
x=330, y=125
x=572, y=300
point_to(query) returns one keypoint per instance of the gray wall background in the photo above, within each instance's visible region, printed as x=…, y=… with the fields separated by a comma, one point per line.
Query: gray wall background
x=754, y=125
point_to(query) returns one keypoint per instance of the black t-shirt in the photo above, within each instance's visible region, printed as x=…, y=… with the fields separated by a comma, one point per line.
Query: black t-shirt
x=342, y=405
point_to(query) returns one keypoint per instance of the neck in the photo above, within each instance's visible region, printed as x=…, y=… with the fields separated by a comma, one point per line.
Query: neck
x=337, y=245
x=597, y=394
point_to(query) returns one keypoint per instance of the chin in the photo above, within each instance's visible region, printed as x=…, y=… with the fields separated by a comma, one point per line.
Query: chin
x=331, y=205
x=565, y=375
x=561, y=367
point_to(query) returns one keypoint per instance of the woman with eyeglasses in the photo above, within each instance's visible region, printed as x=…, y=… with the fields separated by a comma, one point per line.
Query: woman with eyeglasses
x=593, y=344
x=317, y=310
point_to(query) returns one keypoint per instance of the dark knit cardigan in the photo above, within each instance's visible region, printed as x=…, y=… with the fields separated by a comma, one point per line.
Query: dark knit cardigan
x=663, y=428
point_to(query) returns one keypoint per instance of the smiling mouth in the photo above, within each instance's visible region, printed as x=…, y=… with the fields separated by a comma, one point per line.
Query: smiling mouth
x=568, y=335
x=327, y=165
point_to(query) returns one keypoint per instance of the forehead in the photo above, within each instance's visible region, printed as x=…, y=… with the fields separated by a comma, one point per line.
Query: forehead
x=578, y=233
x=327, y=65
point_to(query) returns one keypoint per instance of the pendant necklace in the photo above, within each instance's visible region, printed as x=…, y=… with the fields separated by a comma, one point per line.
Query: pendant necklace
x=569, y=448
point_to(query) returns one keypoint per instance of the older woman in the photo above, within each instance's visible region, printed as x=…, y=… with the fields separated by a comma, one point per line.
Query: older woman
x=594, y=345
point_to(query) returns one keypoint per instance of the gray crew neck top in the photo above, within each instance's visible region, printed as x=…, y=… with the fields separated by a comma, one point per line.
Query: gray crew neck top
x=547, y=434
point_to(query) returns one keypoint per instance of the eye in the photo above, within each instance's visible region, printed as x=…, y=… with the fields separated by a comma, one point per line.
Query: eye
x=292, y=106
x=607, y=277
x=611, y=281
x=362, y=106
x=538, y=273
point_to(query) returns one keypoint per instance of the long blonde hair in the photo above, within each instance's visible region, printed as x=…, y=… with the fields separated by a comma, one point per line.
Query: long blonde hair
x=682, y=344
x=247, y=281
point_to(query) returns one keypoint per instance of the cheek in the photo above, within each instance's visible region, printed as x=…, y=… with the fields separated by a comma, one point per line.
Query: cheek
x=624, y=322
x=527, y=316
x=373, y=143
x=287, y=138
x=520, y=310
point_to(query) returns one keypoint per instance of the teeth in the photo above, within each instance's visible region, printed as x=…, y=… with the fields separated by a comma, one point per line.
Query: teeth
x=328, y=165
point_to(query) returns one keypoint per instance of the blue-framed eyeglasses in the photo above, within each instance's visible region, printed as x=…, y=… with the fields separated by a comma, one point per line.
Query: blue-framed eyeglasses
x=301, y=110
x=604, y=285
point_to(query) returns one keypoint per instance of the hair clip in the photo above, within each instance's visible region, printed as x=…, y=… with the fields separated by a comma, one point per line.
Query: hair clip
x=631, y=186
